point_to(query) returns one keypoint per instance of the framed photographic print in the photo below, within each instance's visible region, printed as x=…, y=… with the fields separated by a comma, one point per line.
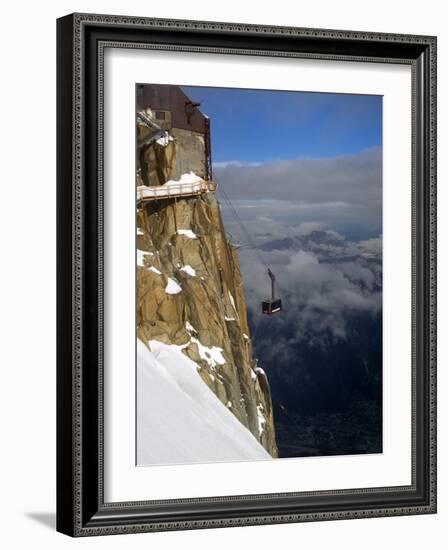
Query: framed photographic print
x=246, y=274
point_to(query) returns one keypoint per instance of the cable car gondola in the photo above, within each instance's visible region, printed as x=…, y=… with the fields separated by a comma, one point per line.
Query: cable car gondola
x=269, y=307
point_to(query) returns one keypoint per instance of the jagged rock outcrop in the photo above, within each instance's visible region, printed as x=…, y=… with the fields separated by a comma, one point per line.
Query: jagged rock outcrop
x=190, y=294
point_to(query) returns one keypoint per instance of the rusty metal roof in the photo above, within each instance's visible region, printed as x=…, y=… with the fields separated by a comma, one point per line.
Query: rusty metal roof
x=165, y=97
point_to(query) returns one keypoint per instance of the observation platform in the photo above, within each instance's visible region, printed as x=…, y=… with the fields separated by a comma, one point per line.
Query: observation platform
x=175, y=189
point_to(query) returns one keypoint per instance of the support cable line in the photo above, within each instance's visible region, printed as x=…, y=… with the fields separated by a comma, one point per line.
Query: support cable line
x=270, y=305
x=247, y=235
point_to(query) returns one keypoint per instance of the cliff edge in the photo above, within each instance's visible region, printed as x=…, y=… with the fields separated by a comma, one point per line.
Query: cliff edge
x=190, y=295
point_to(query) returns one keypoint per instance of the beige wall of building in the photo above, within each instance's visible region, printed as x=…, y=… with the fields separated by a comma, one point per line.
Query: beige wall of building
x=190, y=153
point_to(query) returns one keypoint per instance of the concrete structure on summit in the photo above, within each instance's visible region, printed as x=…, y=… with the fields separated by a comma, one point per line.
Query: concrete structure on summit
x=173, y=141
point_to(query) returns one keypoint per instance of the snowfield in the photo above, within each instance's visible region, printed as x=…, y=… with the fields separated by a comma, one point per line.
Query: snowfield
x=179, y=419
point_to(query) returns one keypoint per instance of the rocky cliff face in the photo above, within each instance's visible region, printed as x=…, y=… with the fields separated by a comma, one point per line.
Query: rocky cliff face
x=190, y=294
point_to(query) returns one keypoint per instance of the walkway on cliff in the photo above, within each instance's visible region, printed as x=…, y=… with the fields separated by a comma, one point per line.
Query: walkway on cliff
x=188, y=185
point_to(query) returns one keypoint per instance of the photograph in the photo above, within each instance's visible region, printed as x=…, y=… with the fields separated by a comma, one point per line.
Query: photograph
x=246, y=261
x=258, y=274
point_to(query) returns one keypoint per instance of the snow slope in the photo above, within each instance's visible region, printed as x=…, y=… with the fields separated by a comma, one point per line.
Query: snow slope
x=179, y=419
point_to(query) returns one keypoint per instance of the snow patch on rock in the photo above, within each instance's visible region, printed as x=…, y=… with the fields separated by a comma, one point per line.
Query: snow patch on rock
x=261, y=418
x=232, y=301
x=187, y=233
x=190, y=328
x=212, y=355
x=165, y=139
x=260, y=371
x=186, y=179
x=172, y=287
x=188, y=269
x=141, y=257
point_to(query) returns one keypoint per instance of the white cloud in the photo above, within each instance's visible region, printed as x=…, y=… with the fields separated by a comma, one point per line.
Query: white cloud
x=225, y=163
x=332, y=191
x=321, y=289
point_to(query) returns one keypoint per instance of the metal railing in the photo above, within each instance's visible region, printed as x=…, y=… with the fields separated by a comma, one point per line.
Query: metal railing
x=149, y=193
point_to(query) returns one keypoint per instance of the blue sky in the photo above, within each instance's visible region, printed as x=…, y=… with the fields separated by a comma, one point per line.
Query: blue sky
x=297, y=158
x=263, y=126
